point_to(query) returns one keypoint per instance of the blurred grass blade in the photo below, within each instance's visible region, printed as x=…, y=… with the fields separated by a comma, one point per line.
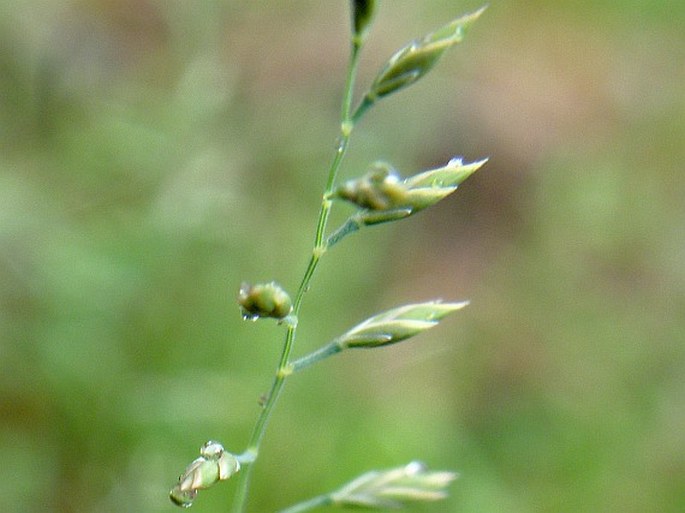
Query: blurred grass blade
x=395, y=487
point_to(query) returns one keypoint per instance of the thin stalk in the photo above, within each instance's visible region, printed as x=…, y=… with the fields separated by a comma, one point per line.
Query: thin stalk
x=365, y=104
x=351, y=225
x=346, y=127
x=320, y=354
x=316, y=502
x=284, y=370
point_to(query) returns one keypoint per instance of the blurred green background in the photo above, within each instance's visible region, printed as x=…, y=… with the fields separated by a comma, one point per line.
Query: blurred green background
x=154, y=154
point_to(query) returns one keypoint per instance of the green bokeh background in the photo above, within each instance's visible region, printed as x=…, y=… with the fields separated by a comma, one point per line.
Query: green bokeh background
x=154, y=154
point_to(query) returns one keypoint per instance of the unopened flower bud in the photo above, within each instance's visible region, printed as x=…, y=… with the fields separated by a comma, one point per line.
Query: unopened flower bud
x=213, y=465
x=362, y=15
x=379, y=189
x=413, y=61
x=395, y=487
x=385, y=197
x=397, y=324
x=264, y=300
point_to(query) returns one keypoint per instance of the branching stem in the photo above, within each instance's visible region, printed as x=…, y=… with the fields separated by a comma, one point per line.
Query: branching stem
x=320, y=245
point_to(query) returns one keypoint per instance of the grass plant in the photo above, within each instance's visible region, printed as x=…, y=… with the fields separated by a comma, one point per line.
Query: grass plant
x=380, y=195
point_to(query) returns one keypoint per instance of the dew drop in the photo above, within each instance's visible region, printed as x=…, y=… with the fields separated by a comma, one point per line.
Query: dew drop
x=244, y=289
x=212, y=450
x=290, y=321
x=250, y=317
x=414, y=468
x=183, y=498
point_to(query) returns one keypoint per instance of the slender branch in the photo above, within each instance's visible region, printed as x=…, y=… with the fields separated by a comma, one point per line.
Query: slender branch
x=284, y=369
x=320, y=354
x=362, y=108
x=321, y=500
x=350, y=226
x=346, y=127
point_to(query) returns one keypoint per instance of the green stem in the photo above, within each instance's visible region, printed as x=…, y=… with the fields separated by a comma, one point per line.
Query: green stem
x=365, y=104
x=320, y=354
x=346, y=127
x=351, y=225
x=284, y=370
x=321, y=500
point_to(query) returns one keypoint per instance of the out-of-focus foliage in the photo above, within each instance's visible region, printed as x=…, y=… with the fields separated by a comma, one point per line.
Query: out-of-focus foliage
x=153, y=155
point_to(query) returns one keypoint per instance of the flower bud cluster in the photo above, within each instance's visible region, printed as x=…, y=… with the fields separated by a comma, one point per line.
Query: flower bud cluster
x=386, y=197
x=264, y=300
x=379, y=189
x=213, y=465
